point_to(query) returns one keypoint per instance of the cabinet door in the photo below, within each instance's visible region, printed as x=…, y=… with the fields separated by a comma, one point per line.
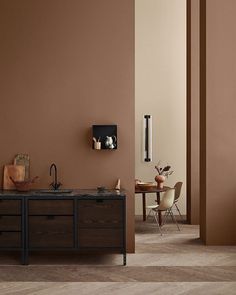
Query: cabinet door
x=10, y=223
x=50, y=231
x=100, y=213
x=50, y=207
x=101, y=237
x=10, y=207
x=10, y=239
x=100, y=223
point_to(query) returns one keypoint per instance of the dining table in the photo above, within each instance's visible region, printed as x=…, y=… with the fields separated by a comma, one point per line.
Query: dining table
x=151, y=190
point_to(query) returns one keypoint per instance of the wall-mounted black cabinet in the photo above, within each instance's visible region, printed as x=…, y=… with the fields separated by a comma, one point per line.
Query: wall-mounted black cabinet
x=104, y=137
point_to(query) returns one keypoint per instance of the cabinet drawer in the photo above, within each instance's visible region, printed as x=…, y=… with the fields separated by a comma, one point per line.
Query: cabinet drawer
x=100, y=237
x=10, y=239
x=51, y=231
x=10, y=223
x=47, y=207
x=100, y=213
x=10, y=207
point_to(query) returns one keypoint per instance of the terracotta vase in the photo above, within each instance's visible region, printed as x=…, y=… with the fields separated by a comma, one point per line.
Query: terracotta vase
x=160, y=181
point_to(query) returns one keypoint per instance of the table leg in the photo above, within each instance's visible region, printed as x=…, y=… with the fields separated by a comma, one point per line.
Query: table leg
x=159, y=212
x=144, y=206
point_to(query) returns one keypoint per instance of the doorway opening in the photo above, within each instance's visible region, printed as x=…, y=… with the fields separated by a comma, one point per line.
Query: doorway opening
x=161, y=91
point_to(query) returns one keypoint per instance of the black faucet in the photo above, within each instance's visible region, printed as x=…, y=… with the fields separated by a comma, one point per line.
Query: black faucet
x=54, y=184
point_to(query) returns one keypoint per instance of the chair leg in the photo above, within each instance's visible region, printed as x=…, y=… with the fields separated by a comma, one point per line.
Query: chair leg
x=167, y=213
x=153, y=213
x=174, y=219
x=164, y=218
x=171, y=214
x=149, y=213
x=179, y=212
x=157, y=221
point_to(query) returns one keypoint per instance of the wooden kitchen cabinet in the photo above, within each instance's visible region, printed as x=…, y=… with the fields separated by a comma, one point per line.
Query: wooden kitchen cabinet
x=100, y=223
x=100, y=213
x=51, y=231
x=11, y=225
x=50, y=207
x=100, y=238
x=10, y=207
x=81, y=221
x=10, y=240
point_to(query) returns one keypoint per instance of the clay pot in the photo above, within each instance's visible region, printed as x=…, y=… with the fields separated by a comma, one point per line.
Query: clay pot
x=160, y=181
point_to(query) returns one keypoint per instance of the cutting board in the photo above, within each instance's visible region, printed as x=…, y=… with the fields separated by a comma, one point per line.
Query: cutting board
x=17, y=172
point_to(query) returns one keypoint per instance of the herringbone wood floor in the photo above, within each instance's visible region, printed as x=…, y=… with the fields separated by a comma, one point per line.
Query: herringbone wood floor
x=175, y=263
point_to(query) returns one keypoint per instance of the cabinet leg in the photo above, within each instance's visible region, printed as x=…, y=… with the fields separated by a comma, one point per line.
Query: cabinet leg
x=25, y=260
x=22, y=257
x=124, y=259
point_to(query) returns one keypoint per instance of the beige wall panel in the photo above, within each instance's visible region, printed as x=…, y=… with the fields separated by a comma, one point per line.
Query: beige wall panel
x=160, y=88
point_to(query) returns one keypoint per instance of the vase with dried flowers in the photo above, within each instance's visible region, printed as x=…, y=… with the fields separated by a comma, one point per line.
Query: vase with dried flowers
x=163, y=173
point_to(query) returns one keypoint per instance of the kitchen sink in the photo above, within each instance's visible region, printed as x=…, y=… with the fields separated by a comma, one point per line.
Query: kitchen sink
x=51, y=191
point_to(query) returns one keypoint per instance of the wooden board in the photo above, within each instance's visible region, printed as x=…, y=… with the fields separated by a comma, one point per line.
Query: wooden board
x=17, y=172
x=24, y=160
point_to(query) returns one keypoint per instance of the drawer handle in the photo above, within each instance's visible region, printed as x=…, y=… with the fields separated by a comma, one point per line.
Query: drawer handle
x=50, y=217
x=99, y=201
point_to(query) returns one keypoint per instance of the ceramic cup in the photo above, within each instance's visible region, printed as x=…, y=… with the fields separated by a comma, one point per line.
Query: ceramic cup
x=97, y=145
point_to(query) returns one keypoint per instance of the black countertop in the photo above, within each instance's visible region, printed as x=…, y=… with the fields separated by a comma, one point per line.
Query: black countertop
x=86, y=193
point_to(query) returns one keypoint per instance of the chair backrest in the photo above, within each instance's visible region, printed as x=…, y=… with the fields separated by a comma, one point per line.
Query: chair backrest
x=178, y=187
x=167, y=200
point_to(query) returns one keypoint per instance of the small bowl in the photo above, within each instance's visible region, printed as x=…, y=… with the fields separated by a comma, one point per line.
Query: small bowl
x=23, y=185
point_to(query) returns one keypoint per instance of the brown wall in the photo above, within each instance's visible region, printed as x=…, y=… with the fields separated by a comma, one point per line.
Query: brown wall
x=193, y=110
x=218, y=141
x=66, y=65
x=195, y=194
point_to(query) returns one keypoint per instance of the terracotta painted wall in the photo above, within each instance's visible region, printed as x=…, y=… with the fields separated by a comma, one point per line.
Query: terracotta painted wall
x=218, y=141
x=65, y=65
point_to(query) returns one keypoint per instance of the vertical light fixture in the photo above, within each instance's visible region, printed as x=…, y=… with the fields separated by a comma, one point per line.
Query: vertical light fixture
x=147, y=138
